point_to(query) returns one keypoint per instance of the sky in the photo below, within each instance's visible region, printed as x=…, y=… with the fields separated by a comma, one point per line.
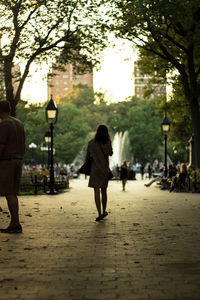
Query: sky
x=114, y=76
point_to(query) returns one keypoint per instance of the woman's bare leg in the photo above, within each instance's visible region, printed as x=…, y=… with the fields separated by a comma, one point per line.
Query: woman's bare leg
x=104, y=198
x=97, y=200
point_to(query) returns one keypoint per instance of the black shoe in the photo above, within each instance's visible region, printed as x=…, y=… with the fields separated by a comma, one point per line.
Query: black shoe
x=16, y=229
x=104, y=214
x=101, y=217
x=98, y=219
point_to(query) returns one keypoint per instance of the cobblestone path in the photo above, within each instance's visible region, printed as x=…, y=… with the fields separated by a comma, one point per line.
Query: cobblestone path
x=147, y=249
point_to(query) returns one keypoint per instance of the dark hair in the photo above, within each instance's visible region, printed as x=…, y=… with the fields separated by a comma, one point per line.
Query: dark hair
x=102, y=134
x=5, y=106
x=124, y=163
x=183, y=168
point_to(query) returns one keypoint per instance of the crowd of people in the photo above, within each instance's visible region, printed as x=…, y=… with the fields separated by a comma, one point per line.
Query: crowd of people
x=174, y=179
x=155, y=172
x=61, y=170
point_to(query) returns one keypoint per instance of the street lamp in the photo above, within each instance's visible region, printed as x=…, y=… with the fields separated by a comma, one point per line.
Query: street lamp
x=165, y=125
x=43, y=148
x=47, y=137
x=51, y=117
x=32, y=146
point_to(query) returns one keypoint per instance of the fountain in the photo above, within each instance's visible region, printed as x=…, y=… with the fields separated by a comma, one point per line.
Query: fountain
x=121, y=149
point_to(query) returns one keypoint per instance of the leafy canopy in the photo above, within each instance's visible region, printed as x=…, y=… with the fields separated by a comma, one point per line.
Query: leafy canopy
x=43, y=30
x=170, y=31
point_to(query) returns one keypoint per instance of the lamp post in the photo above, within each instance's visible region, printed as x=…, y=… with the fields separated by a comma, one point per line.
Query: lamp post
x=175, y=154
x=43, y=148
x=47, y=139
x=165, y=125
x=51, y=117
x=32, y=146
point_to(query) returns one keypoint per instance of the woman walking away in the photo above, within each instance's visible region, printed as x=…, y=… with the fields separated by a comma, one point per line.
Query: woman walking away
x=124, y=174
x=99, y=149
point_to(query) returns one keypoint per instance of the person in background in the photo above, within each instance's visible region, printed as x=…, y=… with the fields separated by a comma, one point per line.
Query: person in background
x=117, y=171
x=172, y=171
x=12, y=149
x=124, y=174
x=159, y=177
x=179, y=180
x=99, y=148
x=149, y=171
x=142, y=170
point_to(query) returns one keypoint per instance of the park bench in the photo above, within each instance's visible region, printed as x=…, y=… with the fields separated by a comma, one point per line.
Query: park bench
x=33, y=183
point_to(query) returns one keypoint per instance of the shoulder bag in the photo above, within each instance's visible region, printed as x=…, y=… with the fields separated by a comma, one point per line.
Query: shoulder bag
x=86, y=167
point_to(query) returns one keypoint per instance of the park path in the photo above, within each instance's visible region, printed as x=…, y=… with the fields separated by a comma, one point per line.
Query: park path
x=147, y=248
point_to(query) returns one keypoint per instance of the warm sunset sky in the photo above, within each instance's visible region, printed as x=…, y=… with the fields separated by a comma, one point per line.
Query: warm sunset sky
x=115, y=76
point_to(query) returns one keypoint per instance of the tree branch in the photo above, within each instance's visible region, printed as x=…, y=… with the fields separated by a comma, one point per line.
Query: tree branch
x=39, y=51
x=18, y=29
x=166, y=35
x=164, y=55
x=28, y=18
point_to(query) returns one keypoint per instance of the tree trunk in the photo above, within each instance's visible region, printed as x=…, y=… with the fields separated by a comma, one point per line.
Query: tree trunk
x=9, y=85
x=191, y=94
x=195, y=114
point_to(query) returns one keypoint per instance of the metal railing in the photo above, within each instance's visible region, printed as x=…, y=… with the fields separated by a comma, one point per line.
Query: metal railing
x=34, y=184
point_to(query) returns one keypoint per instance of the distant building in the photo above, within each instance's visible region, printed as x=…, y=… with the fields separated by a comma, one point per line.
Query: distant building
x=62, y=81
x=141, y=81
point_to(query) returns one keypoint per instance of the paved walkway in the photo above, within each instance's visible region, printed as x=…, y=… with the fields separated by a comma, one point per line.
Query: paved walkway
x=147, y=248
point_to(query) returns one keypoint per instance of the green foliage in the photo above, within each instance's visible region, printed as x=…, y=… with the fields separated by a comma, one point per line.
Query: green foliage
x=145, y=132
x=137, y=116
x=35, y=126
x=178, y=112
x=180, y=116
x=78, y=119
x=80, y=95
x=167, y=34
x=70, y=132
x=177, y=106
x=94, y=108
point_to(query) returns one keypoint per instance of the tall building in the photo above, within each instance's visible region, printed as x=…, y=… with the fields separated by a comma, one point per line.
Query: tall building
x=141, y=82
x=61, y=82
